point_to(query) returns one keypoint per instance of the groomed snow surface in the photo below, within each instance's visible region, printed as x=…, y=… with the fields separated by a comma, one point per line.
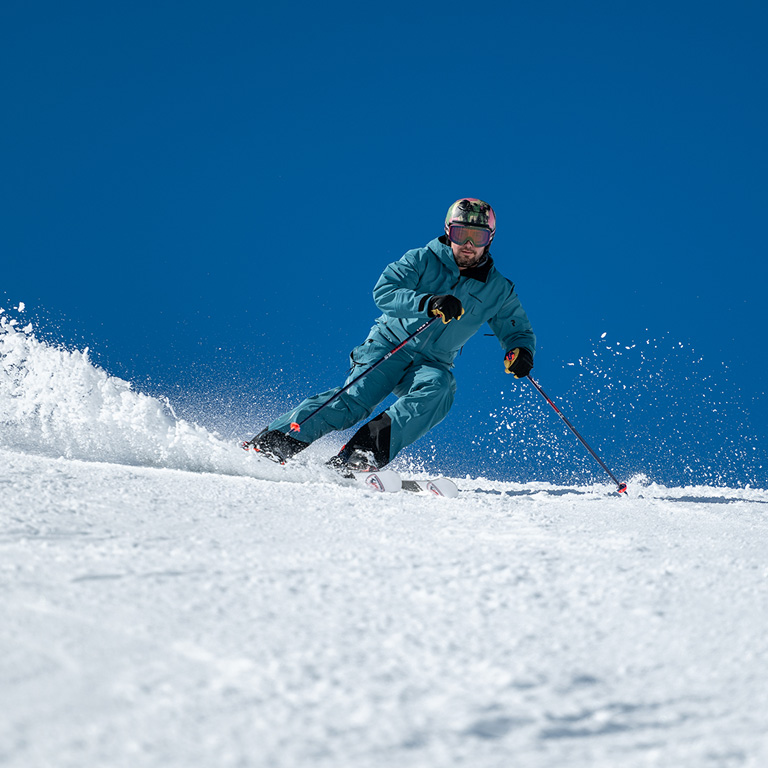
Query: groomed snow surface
x=186, y=604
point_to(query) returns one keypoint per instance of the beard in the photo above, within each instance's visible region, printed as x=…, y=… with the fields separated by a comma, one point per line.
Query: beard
x=464, y=260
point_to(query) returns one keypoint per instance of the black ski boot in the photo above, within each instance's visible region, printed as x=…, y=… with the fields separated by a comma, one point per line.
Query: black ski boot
x=349, y=460
x=368, y=449
x=275, y=445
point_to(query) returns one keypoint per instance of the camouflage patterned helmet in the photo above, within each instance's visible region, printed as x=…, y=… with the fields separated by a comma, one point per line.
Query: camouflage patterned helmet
x=473, y=213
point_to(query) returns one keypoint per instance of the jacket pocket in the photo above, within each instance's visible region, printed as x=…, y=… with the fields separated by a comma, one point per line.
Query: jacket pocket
x=473, y=305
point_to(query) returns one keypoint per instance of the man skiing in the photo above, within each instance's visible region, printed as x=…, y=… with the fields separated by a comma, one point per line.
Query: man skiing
x=453, y=277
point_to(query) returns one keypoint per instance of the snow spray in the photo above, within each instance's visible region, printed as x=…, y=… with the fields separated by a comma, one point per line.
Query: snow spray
x=56, y=402
x=654, y=405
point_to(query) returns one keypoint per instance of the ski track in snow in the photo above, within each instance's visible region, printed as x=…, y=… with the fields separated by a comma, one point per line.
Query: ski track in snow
x=190, y=605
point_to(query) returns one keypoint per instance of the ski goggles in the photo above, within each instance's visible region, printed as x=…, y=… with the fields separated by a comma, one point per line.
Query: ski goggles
x=459, y=234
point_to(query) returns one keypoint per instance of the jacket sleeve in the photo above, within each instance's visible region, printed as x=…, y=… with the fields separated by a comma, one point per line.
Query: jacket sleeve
x=396, y=292
x=511, y=325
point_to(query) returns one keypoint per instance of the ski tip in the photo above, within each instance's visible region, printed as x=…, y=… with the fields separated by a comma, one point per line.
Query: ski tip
x=442, y=486
x=439, y=486
x=622, y=488
x=295, y=427
x=382, y=480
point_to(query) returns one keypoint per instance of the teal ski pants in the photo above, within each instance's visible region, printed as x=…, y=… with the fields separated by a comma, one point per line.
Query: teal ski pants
x=424, y=389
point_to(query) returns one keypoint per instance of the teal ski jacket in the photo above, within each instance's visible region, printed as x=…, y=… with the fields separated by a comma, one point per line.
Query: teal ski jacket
x=405, y=287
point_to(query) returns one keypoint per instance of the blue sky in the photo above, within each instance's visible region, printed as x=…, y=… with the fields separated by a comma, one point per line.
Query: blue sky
x=206, y=193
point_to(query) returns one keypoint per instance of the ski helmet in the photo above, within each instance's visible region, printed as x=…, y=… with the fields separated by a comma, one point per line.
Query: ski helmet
x=472, y=213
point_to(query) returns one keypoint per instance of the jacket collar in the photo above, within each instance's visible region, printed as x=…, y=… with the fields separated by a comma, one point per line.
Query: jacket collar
x=442, y=249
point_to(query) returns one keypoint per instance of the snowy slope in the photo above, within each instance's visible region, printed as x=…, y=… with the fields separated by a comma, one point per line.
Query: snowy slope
x=188, y=605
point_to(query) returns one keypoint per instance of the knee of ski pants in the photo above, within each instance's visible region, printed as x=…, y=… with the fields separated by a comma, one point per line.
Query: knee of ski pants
x=346, y=411
x=423, y=402
x=427, y=390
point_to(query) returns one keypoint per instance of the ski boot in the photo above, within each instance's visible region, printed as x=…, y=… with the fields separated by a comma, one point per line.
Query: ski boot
x=349, y=460
x=275, y=445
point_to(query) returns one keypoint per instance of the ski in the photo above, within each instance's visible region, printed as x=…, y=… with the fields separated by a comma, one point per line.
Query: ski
x=383, y=480
x=439, y=486
x=389, y=481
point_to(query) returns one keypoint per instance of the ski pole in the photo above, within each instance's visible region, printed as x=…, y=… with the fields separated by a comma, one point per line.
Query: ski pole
x=622, y=487
x=296, y=426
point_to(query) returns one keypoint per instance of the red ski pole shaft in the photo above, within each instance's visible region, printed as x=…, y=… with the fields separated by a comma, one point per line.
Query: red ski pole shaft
x=296, y=425
x=622, y=487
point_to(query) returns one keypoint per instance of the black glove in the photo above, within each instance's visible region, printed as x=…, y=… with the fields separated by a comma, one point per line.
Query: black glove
x=448, y=307
x=518, y=361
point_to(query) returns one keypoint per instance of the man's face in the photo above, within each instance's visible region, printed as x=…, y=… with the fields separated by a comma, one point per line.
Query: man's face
x=466, y=255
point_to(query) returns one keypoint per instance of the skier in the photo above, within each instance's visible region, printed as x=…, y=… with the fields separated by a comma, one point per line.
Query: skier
x=453, y=278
